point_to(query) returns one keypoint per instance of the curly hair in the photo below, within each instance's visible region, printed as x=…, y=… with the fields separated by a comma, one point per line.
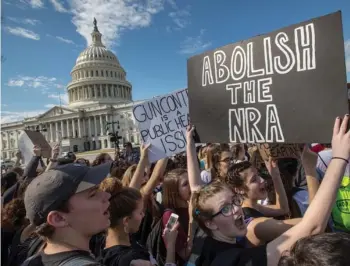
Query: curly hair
x=234, y=179
x=13, y=215
x=119, y=168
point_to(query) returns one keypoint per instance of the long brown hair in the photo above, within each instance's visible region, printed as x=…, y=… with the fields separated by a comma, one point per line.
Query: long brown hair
x=171, y=193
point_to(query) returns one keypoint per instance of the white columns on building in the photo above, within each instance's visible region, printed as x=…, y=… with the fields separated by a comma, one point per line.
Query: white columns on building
x=101, y=125
x=89, y=127
x=95, y=126
x=68, y=129
x=51, y=133
x=62, y=129
x=17, y=133
x=8, y=140
x=79, y=128
x=73, y=125
x=84, y=127
x=57, y=132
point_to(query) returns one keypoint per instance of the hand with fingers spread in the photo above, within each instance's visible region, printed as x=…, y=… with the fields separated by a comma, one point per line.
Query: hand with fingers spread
x=37, y=150
x=272, y=167
x=190, y=133
x=341, y=139
x=144, y=150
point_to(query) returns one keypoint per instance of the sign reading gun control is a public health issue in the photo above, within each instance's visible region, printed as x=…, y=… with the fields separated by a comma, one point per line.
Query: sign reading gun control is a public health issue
x=162, y=122
x=287, y=86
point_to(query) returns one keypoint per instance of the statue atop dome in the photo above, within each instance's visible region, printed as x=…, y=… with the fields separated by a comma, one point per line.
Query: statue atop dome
x=95, y=25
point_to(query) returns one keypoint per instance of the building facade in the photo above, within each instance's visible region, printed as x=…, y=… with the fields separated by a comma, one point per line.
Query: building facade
x=98, y=93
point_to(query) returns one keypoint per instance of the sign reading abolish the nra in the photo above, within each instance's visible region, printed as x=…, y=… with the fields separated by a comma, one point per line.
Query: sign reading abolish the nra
x=283, y=87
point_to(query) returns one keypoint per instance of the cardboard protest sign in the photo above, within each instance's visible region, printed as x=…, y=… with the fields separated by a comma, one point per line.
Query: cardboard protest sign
x=26, y=142
x=278, y=151
x=162, y=122
x=272, y=88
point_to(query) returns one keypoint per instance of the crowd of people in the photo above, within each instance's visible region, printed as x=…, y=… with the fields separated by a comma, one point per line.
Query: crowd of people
x=231, y=211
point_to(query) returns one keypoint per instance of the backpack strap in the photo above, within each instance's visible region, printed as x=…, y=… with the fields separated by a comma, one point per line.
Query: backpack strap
x=35, y=245
x=322, y=161
x=79, y=261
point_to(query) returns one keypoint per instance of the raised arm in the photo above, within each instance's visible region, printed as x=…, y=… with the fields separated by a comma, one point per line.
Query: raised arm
x=262, y=230
x=30, y=170
x=309, y=161
x=318, y=213
x=157, y=173
x=137, y=178
x=54, y=155
x=281, y=207
x=194, y=176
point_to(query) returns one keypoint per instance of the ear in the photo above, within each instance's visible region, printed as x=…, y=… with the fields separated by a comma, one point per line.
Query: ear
x=126, y=221
x=57, y=219
x=210, y=225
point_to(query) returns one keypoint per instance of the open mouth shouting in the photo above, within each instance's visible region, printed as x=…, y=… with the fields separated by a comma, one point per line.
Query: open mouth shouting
x=239, y=222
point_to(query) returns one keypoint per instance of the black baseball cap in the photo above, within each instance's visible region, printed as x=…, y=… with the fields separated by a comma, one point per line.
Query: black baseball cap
x=51, y=189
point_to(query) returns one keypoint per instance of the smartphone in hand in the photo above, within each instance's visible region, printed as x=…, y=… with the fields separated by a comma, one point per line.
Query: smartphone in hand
x=172, y=221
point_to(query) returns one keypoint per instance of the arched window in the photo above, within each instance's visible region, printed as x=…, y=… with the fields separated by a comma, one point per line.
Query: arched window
x=96, y=73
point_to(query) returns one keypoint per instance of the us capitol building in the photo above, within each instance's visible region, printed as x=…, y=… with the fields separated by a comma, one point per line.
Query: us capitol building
x=98, y=93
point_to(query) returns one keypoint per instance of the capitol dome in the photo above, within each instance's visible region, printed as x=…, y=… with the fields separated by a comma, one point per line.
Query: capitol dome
x=97, y=77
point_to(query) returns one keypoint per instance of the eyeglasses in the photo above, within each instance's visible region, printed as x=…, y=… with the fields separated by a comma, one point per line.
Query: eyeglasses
x=230, y=209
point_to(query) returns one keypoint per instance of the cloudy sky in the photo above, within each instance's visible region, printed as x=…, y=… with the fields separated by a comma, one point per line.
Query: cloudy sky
x=41, y=40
